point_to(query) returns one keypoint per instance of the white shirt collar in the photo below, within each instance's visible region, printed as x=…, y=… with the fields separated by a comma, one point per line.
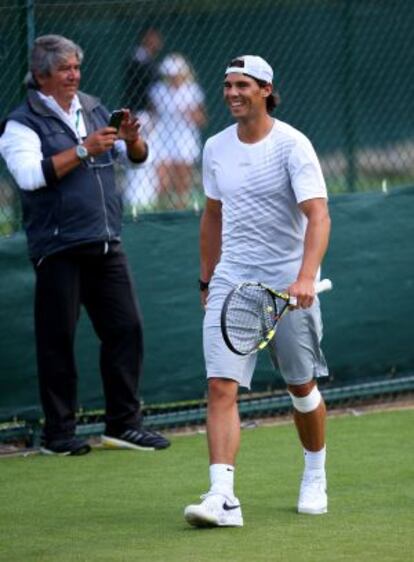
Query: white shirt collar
x=53, y=104
x=73, y=117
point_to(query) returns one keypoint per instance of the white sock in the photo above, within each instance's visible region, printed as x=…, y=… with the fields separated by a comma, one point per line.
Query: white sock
x=315, y=460
x=222, y=479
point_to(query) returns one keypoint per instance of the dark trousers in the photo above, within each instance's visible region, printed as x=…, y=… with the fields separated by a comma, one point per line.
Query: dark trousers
x=101, y=282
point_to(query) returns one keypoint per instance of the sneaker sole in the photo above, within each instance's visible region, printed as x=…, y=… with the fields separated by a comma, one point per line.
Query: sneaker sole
x=49, y=452
x=309, y=511
x=83, y=451
x=197, y=519
x=113, y=443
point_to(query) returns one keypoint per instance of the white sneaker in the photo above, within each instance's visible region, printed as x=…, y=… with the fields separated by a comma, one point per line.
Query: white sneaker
x=312, y=496
x=216, y=510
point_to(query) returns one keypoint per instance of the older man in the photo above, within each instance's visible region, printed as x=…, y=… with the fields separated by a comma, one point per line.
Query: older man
x=60, y=150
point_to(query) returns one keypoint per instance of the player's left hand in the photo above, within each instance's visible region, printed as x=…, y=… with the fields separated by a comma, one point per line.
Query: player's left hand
x=304, y=291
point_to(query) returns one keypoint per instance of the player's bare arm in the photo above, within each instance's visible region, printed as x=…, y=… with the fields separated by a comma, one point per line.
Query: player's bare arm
x=210, y=241
x=315, y=246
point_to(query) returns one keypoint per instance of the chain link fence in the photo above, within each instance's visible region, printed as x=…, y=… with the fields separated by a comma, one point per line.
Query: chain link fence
x=344, y=69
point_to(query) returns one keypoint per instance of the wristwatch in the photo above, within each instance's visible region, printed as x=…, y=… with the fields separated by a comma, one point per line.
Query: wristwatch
x=81, y=152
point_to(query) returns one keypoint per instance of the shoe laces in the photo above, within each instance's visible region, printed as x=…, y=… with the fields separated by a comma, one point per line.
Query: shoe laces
x=314, y=477
x=217, y=498
x=212, y=501
x=213, y=496
x=208, y=494
x=313, y=484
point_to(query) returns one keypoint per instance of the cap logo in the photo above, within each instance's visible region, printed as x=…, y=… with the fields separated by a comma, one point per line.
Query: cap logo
x=238, y=63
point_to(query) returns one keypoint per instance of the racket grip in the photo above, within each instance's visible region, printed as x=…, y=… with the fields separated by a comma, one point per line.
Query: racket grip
x=323, y=285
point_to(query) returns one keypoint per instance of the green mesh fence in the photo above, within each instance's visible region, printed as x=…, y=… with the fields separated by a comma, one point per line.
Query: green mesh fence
x=344, y=68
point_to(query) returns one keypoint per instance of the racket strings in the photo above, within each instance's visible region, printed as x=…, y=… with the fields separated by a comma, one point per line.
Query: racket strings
x=251, y=315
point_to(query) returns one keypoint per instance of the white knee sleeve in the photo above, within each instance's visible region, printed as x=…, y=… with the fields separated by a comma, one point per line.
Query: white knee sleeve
x=307, y=403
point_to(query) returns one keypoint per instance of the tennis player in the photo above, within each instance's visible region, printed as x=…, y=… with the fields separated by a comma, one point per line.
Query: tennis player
x=266, y=219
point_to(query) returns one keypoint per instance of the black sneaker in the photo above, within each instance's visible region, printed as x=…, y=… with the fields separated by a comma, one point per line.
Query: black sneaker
x=141, y=439
x=71, y=446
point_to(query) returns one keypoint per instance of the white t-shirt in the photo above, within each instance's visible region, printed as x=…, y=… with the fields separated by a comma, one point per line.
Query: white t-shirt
x=260, y=186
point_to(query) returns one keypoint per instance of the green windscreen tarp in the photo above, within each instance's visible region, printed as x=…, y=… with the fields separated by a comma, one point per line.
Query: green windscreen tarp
x=368, y=317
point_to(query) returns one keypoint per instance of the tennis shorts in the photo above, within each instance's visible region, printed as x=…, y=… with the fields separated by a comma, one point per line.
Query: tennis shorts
x=295, y=349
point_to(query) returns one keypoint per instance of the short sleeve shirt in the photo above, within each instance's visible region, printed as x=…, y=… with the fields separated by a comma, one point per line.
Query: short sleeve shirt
x=260, y=186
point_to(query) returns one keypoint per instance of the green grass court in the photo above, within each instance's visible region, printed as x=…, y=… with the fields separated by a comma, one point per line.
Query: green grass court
x=125, y=506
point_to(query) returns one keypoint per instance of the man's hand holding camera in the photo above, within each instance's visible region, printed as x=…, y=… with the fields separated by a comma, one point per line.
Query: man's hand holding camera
x=100, y=141
x=129, y=132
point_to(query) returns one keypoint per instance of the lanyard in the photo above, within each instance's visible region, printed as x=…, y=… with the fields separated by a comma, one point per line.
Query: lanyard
x=77, y=123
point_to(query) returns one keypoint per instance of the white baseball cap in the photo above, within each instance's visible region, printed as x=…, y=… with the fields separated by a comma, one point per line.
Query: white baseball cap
x=253, y=66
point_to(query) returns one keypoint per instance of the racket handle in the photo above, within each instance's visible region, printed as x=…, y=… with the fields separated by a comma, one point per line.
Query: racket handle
x=320, y=287
x=323, y=285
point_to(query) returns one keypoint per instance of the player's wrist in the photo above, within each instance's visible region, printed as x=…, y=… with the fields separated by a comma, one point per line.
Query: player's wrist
x=306, y=277
x=203, y=285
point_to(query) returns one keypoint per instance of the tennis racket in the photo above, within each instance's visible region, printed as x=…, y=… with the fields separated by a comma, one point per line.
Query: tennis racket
x=251, y=312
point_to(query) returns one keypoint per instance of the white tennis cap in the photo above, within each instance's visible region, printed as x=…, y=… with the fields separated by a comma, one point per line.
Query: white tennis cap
x=253, y=66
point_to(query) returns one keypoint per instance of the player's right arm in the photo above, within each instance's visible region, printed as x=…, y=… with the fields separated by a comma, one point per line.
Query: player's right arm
x=210, y=241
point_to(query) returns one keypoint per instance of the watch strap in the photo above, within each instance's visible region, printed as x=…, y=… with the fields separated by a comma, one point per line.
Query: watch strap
x=203, y=285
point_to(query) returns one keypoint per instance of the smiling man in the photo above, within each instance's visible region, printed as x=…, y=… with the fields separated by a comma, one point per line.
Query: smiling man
x=60, y=150
x=266, y=219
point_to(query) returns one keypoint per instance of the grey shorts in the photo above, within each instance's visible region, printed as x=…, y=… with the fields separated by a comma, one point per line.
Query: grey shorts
x=295, y=349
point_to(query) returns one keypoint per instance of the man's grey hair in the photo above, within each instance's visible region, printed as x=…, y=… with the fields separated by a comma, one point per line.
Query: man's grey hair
x=47, y=53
